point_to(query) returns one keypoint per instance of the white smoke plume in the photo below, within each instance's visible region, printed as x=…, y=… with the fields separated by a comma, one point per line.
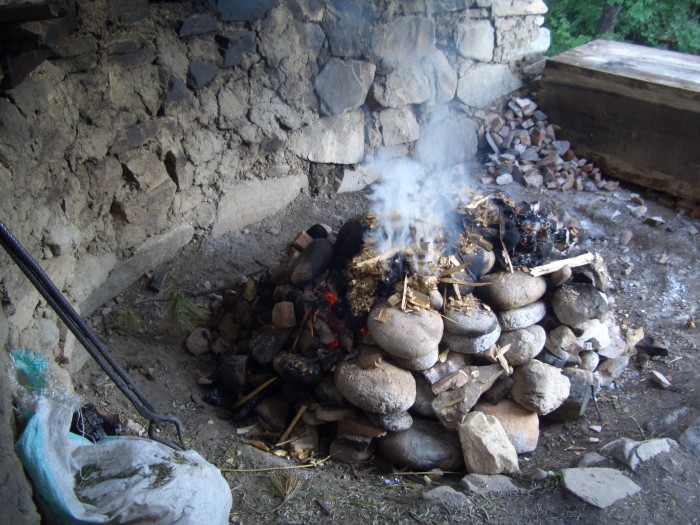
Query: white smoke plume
x=413, y=199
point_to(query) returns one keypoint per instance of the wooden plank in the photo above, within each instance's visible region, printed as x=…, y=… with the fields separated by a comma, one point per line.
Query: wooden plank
x=655, y=75
x=634, y=111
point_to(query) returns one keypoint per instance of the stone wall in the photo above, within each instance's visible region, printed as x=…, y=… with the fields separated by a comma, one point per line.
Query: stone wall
x=154, y=121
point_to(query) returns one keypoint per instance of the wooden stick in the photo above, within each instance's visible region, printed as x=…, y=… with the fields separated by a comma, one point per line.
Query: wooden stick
x=291, y=426
x=454, y=269
x=307, y=312
x=385, y=255
x=269, y=469
x=403, y=298
x=579, y=260
x=449, y=280
x=242, y=401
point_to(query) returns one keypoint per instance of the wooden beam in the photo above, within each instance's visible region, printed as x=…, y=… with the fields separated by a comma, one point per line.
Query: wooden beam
x=633, y=110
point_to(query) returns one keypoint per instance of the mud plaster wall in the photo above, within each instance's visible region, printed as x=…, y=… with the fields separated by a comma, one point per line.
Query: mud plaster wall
x=155, y=122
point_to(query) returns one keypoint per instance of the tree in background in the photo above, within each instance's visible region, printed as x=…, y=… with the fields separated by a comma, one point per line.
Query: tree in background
x=668, y=24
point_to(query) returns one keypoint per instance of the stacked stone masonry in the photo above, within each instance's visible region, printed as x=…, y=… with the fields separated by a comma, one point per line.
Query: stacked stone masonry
x=151, y=122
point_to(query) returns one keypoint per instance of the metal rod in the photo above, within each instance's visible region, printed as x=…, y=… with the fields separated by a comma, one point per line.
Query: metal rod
x=92, y=344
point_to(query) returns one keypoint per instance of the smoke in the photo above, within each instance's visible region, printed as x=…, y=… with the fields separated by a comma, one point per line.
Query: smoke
x=414, y=200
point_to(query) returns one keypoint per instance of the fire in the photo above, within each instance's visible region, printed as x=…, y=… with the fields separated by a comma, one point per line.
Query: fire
x=330, y=298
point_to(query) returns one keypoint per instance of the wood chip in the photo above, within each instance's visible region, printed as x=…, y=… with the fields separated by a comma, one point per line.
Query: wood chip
x=660, y=379
x=626, y=237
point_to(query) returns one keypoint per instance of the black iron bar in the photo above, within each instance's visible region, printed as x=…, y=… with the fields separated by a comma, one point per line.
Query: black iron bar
x=97, y=350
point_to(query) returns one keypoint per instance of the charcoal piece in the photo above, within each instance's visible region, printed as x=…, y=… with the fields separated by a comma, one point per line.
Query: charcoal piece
x=298, y=369
x=499, y=390
x=93, y=424
x=234, y=372
x=274, y=412
x=267, y=342
x=313, y=261
x=319, y=231
x=157, y=281
x=350, y=237
x=651, y=347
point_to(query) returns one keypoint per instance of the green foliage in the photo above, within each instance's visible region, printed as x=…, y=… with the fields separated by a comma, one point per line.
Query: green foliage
x=129, y=320
x=184, y=313
x=667, y=24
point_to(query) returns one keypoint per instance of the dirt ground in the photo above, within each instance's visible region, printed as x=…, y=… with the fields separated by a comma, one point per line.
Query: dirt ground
x=658, y=297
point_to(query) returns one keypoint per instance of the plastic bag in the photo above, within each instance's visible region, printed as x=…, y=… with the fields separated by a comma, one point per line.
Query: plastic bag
x=118, y=480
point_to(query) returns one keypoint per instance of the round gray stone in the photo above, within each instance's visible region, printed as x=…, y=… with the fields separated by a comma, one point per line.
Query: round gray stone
x=417, y=363
x=383, y=389
x=561, y=337
x=539, y=387
x=479, y=261
x=473, y=320
x=575, y=303
x=471, y=345
x=522, y=317
x=525, y=344
x=405, y=334
x=510, y=290
x=394, y=422
x=424, y=446
x=424, y=399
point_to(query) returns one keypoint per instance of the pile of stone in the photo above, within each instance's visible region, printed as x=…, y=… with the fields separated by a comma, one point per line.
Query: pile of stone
x=458, y=376
x=524, y=148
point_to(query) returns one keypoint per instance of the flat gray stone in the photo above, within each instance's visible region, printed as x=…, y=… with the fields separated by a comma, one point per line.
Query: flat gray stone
x=511, y=290
x=447, y=496
x=404, y=39
x=522, y=426
x=405, y=334
x=471, y=345
x=418, y=363
x=475, y=39
x=243, y=10
x=539, y=387
x=398, y=126
x=358, y=179
x=454, y=405
x=598, y=486
x=525, y=344
x=473, y=320
x=482, y=484
x=146, y=257
x=251, y=201
x=408, y=83
x=343, y=84
x=485, y=445
x=481, y=84
x=198, y=25
x=522, y=317
x=393, y=422
x=337, y=140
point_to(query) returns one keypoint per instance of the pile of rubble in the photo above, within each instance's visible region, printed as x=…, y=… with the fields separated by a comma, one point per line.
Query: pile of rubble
x=525, y=149
x=437, y=356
